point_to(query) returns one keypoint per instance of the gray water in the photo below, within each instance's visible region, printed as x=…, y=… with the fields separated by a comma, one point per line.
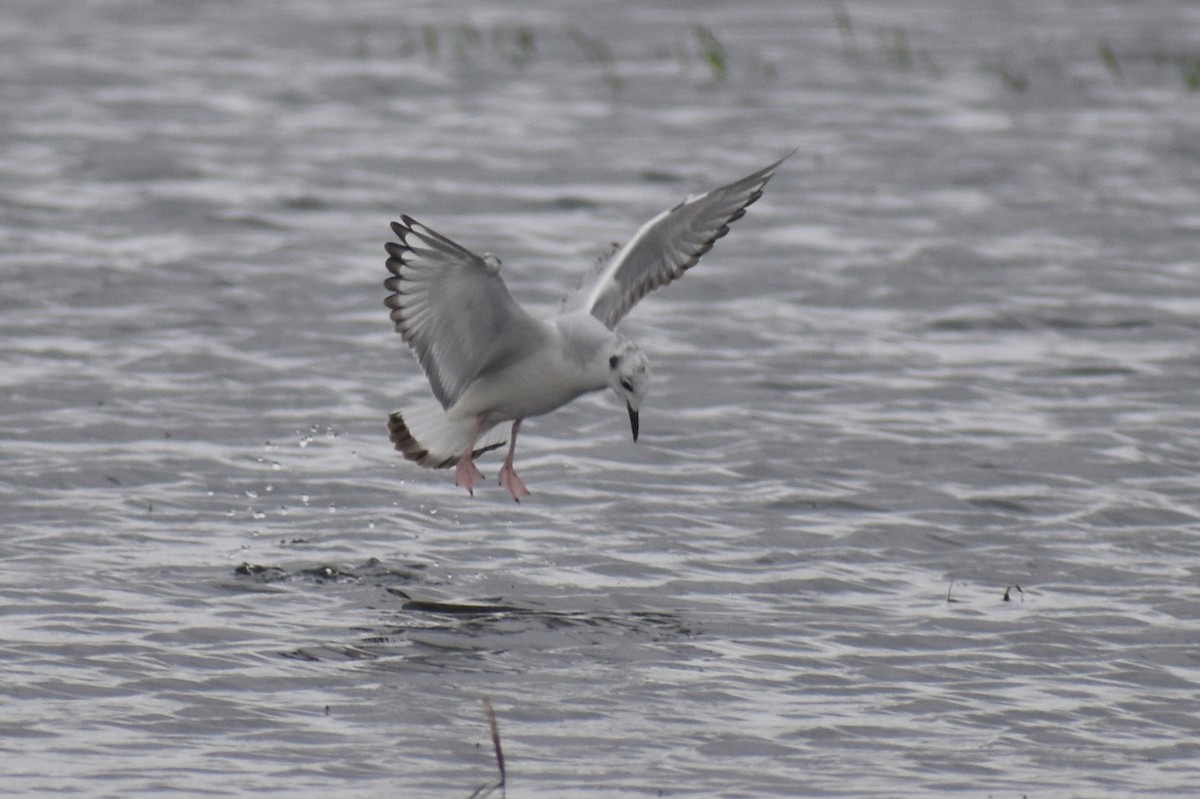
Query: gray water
x=955, y=348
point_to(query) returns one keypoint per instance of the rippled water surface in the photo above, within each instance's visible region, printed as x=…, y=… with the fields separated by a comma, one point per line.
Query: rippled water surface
x=952, y=351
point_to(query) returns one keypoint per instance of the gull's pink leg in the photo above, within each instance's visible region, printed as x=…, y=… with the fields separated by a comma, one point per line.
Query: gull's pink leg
x=508, y=475
x=466, y=473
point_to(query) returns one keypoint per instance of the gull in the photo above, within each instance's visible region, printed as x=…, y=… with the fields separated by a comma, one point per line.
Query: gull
x=490, y=361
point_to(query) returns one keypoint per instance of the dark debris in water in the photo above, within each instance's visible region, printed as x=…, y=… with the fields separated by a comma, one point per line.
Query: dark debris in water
x=318, y=654
x=952, y=600
x=430, y=629
x=552, y=619
x=482, y=627
x=460, y=608
x=265, y=573
x=372, y=570
x=430, y=634
x=1008, y=590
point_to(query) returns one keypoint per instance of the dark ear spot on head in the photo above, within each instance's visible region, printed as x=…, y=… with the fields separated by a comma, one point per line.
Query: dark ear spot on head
x=613, y=360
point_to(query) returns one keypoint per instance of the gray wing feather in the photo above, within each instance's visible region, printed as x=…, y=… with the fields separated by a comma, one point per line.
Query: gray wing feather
x=666, y=247
x=453, y=309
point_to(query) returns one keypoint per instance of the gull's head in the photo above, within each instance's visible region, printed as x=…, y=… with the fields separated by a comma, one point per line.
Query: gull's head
x=629, y=376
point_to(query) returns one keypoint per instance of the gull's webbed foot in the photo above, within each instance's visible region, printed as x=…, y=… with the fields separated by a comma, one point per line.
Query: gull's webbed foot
x=509, y=480
x=467, y=473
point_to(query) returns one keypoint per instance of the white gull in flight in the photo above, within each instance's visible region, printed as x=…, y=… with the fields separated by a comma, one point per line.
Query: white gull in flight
x=489, y=361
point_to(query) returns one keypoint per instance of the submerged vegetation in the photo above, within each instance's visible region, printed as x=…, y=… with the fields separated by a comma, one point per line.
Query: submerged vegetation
x=1149, y=67
x=1189, y=69
x=1110, y=59
x=597, y=51
x=712, y=52
x=702, y=56
x=517, y=45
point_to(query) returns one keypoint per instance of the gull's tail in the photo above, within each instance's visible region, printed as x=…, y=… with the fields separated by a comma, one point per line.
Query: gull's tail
x=427, y=436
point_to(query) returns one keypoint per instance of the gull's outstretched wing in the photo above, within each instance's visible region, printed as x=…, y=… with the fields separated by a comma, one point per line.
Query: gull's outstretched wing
x=666, y=247
x=453, y=309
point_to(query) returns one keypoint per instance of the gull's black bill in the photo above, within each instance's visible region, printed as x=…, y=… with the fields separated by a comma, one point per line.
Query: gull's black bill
x=633, y=420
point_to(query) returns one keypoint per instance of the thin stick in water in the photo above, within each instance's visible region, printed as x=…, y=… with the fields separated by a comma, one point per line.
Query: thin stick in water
x=487, y=788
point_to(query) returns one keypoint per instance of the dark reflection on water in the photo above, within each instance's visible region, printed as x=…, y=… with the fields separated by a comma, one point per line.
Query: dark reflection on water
x=420, y=629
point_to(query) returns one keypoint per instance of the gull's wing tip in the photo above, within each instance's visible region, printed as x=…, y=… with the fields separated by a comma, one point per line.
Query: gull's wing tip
x=789, y=154
x=668, y=245
x=402, y=227
x=407, y=225
x=769, y=171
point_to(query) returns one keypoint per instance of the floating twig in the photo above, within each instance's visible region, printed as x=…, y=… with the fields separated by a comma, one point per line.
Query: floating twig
x=487, y=788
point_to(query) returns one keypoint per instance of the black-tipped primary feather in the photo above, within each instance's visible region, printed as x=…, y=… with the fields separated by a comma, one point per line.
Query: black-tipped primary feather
x=452, y=308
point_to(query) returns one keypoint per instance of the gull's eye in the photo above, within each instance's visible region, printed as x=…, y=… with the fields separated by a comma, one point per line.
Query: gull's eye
x=625, y=384
x=613, y=361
